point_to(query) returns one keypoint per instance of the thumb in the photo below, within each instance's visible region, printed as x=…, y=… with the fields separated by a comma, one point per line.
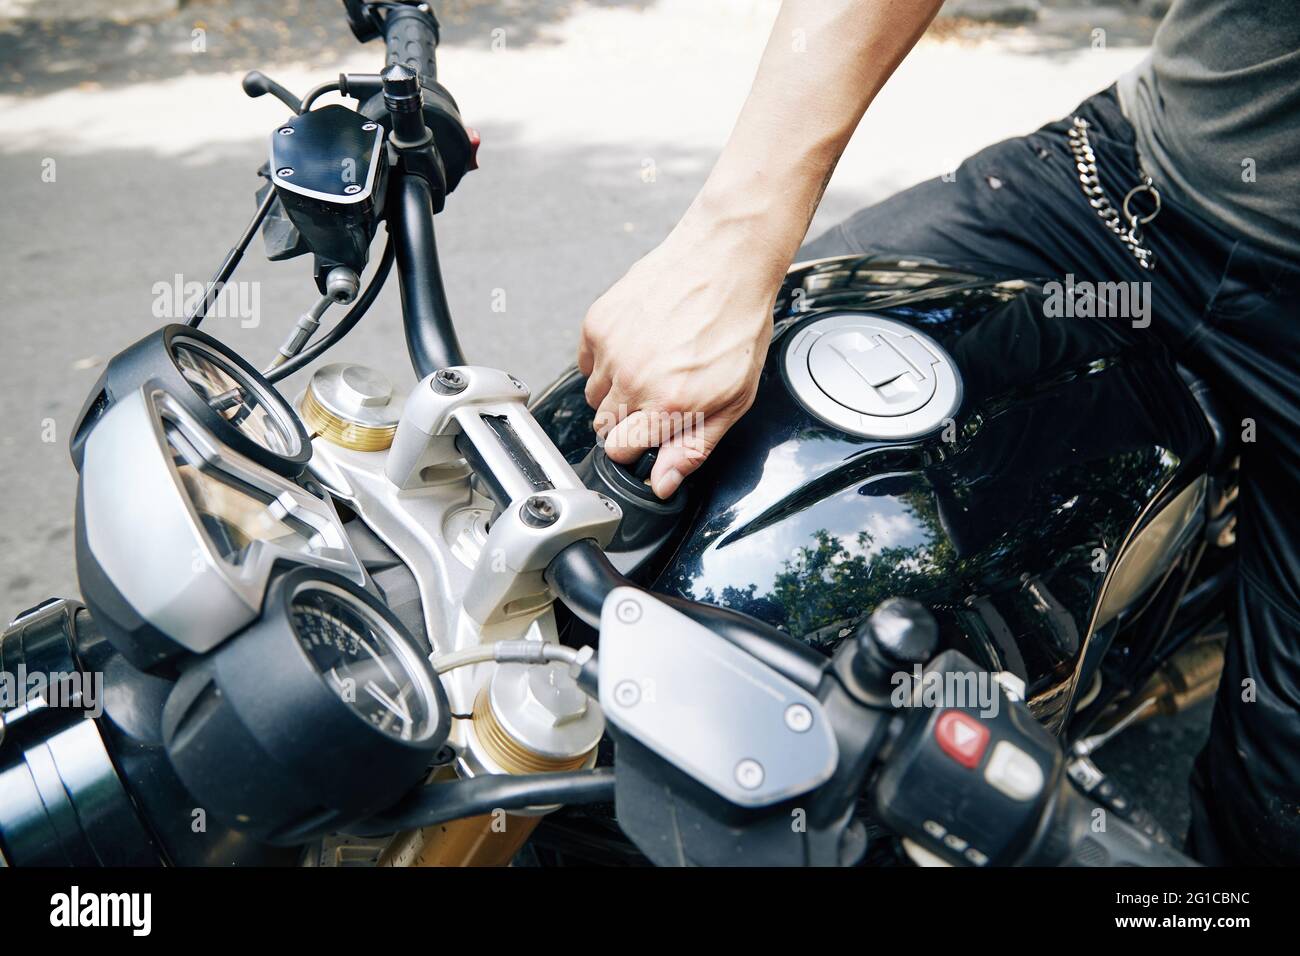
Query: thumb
x=685, y=452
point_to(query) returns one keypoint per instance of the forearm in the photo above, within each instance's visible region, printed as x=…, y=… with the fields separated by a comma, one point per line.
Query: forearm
x=825, y=62
x=687, y=329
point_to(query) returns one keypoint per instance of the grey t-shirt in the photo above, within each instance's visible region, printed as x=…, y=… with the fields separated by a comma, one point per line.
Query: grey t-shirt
x=1216, y=109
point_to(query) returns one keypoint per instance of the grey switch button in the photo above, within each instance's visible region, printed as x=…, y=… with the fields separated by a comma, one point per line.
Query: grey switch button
x=1012, y=771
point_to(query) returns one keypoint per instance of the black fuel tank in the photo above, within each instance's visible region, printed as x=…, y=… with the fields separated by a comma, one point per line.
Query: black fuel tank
x=1006, y=502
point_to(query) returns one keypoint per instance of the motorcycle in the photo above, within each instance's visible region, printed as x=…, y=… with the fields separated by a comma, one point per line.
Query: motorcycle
x=955, y=547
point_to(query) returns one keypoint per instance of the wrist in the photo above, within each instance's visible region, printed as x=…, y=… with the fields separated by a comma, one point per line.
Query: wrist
x=767, y=205
x=748, y=222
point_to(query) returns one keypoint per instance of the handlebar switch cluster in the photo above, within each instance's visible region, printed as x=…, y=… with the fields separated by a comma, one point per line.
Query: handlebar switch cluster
x=1101, y=788
x=971, y=773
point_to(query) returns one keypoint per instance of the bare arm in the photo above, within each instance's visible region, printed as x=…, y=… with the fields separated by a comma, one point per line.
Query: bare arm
x=682, y=337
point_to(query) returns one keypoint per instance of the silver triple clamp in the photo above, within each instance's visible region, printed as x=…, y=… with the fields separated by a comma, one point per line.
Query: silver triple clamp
x=548, y=509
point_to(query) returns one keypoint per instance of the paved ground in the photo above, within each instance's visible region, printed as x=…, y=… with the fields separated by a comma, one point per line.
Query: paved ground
x=151, y=148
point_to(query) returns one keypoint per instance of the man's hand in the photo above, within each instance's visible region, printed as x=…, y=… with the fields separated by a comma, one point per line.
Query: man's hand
x=674, y=349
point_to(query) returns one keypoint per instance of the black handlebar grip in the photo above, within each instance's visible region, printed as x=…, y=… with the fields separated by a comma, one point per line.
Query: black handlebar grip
x=411, y=35
x=1091, y=836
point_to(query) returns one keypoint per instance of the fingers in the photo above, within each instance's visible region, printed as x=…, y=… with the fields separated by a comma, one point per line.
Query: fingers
x=685, y=441
x=613, y=408
x=686, y=451
x=630, y=438
x=590, y=355
x=586, y=356
x=598, y=384
x=677, y=458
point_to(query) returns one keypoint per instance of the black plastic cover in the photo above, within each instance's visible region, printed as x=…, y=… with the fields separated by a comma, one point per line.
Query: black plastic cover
x=91, y=786
x=329, y=170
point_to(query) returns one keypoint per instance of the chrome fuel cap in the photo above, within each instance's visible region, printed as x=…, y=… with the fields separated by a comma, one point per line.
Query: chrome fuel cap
x=872, y=377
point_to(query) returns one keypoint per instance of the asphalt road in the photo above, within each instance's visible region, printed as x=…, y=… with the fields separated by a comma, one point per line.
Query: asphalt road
x=128, y=152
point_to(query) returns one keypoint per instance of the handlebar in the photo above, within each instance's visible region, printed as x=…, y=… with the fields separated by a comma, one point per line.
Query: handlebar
x=998, y=795
x=411, y=34
x=1083, y=833
x=430, y=333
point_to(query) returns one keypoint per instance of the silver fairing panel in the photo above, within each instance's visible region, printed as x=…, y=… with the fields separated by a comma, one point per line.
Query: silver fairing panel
x=144, y=528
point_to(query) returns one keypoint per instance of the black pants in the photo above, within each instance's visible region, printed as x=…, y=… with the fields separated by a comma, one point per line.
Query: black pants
x=1231, y=313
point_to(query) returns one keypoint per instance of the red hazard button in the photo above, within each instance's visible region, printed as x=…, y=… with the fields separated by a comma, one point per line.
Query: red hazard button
x=961, y=737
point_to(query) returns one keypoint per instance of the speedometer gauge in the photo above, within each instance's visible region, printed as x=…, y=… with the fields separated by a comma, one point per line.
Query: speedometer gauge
x=242, y=402
x=228, y=396
x=179, y=535
x=361, y=659
x=323, y=711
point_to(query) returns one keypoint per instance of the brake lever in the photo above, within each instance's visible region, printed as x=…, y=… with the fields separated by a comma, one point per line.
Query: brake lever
x=257, y=83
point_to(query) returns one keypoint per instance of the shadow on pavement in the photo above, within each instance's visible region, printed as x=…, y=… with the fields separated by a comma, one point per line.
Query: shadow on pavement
x=220, y=35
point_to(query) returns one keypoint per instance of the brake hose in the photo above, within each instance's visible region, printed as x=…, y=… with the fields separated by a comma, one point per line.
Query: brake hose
x=437, y=803
x=512, y=652
x=345, y=324
x=314, y=94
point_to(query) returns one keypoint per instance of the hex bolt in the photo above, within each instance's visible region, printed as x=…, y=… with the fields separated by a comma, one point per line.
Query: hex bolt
x=352, y=189
x=449, y=381
x=369, y=126
x=286, y=130
x=284, y=172
x=628, y=611
x=798, y=718
x=555, y=691
x=359, y=387
x=626, y=693
x=749, y=774
x=540, y=511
